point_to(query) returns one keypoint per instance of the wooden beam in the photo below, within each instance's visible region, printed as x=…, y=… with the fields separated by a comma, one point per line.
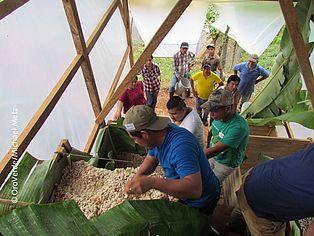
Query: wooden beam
x=8, y=6
x=38, y=119
x=299, y=46
x=92, y=136
x=101, y=25
x=128, y=28
x=288, y=130
x=165, y=27
x=79, y=42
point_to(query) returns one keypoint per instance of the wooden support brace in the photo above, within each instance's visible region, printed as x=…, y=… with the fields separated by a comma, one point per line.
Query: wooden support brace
x=299, y=46
x=8, y=6
x=79, y=41
x=171, y=19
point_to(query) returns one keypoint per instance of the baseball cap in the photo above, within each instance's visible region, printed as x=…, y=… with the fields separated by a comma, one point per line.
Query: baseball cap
x=254, y=58
x=210, y=46
x=184, y=45
x=219, y=98
x=207, y=65
x=143, y=117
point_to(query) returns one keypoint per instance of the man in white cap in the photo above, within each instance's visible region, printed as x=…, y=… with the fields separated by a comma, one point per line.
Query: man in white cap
x=230, y=134
x=187, y=171
x=180, y=65
x=249, y=73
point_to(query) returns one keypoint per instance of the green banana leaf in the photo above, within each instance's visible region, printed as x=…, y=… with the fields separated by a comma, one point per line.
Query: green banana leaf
x=64, y=218
x=306, y=118
x=282, y=93
x=153, y=217
x=137, y=218
x=36, y=179
x=113, y=138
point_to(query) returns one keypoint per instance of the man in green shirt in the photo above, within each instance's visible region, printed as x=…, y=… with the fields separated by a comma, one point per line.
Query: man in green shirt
x=230, y=134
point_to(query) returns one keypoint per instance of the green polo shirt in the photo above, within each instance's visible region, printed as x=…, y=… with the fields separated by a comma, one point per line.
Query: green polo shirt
x=235, y=134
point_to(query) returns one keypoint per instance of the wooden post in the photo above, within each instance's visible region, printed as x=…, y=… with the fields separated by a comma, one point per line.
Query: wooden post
x=79, y=42
x=299, y=46
x=225, y=48
x=124, y=10
x=8, y=6
x=171, y=19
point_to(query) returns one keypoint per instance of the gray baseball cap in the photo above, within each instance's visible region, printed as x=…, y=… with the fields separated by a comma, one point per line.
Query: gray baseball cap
x=143, y=117
x=219, y=98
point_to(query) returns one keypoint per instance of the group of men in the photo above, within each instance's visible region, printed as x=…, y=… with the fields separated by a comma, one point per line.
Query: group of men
x=194, y=172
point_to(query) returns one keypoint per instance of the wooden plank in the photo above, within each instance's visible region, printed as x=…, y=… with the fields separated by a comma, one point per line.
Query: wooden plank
x=263, y=130
x=101, y=25
x=128, y=27
x=79, y=42
x=92, y=136
x=165, y=27
x=301, y=51
x=8, y=6
x=38, y=119
x=271, y=146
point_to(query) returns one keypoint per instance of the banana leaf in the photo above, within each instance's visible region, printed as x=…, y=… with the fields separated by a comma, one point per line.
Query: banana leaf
x=64, y=218
x=153, y=217
x=114, y=139
x=282, y=93
x=306, y=118
x=35, y=179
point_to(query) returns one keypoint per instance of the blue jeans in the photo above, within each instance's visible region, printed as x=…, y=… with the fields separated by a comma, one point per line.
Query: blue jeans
x=173, y=83
x=151, y=99
x=198, y=103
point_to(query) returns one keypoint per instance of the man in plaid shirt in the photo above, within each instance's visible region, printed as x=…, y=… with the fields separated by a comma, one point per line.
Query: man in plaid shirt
x=180, y=65
x=151, y=73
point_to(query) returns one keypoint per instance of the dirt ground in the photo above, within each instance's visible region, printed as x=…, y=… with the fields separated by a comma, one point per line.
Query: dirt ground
x=222, y=213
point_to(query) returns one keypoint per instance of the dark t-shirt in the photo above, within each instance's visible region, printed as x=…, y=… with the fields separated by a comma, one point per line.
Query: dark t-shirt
x=283, y=189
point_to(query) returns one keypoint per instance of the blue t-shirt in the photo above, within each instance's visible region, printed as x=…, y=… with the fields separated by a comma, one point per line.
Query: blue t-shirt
x=180, y=155
x=283, y=189
x=248, y=77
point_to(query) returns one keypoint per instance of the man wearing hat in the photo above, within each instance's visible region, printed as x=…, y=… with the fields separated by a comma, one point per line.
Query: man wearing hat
x=187, y=171
x=249, y=72
x=206, y=81
x=180, y=65
x=230, y=134
x=213, y=60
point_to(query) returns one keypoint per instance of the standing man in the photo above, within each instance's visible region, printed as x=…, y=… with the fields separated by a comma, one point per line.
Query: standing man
x=279, y=191
x=186, y=117
x=230, y=134
x=180, y=65
x=187, y=171
x=213, y=60
x=232, y=86
x=249, y=73
x=206, y=81
x=151, y=74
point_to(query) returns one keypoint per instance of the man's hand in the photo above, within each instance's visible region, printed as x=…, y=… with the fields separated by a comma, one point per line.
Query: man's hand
x=139, y=184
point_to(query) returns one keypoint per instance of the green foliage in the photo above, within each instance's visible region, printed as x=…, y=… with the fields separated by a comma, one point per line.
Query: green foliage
x=211, y=17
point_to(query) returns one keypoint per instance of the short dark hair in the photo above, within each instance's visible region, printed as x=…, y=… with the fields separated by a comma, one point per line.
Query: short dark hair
x=176, y=102
x=233, y=78
x=151, y=57
x=136, y=134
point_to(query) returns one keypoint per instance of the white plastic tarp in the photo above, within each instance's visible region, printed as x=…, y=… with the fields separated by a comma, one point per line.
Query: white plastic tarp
x=36, y=47
x=252, y=24
x=148, y=18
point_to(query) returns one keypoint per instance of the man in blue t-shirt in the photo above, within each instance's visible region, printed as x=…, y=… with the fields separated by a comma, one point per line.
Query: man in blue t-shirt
x=249, y=72
x=279, y=191
x=188, y=174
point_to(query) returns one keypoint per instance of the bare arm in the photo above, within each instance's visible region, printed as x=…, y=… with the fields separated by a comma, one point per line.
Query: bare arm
x=261, y=79
x=310, y=230
x=221, y=74
x=148, y=166
x=193, y=89
x=188, y=187
x=117, y=115
x=235, y=72
x=213, y=151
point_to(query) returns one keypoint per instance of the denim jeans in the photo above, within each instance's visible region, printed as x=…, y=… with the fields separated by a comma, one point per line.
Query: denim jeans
x=173, y=83
x=151, y=99
x=199, y=102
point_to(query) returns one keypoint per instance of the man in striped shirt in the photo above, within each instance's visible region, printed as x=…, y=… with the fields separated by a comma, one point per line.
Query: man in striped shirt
x=180, y=65
x=151, y=74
